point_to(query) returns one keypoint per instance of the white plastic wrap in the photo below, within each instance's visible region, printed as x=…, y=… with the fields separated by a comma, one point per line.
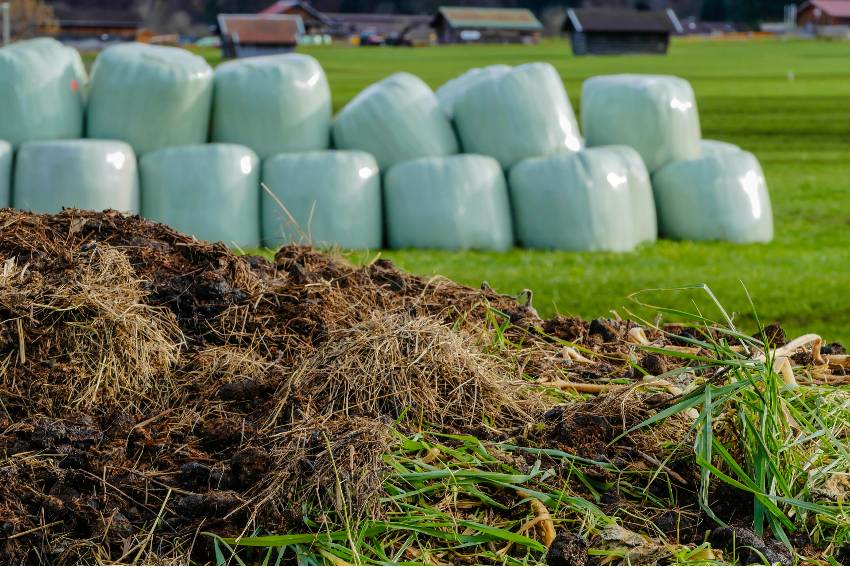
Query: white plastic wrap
x=41, y=91
x=716, y=147
x=272, y=104
x=643, y=199
x=211, y=191
x=5, y=174
x=150, y=96
x=453, y=89
x=720, y=196
x=594, y=199
x=517, y=114
x=395, y=120
x=323, y=198
x=452, y=203
x=83, y=174
x=655, y=114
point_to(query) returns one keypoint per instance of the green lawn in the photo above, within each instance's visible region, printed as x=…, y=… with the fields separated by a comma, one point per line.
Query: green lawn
x=786, y=101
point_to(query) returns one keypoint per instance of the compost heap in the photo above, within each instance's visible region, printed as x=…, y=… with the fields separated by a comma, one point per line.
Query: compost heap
x=154, y=388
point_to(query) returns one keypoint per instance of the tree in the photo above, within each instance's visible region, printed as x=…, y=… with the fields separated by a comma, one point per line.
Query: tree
x=755, y=11
x=714, y=11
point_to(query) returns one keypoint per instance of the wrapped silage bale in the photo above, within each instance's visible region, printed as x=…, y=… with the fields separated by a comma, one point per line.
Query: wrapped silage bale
x=83, y=174
x=397, y=119
x=655, y=114
x=643, y=199
x=518, y=114
x=5, y=174
x=451, y=90
x=210, y=191
x=594, y=199
x=719, y=196
x=452, y=203
x=41, y=95
x=716, y=147
x=150, y=96
x=272, y=104
x=323, y=198
x=80, y=73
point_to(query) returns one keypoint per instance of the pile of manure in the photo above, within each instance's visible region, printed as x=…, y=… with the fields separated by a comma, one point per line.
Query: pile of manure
x=163, y=400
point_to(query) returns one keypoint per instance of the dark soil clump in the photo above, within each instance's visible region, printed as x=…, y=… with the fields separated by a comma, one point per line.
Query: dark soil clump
x=567, y=549
x=748, y=547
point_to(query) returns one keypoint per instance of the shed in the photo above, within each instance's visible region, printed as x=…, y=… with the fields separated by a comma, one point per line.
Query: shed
x=611, y=31
x=315, y=22
x=815, y=13
x=401, y=27
x=81, y=23
x=247, y=35
x=486, y=25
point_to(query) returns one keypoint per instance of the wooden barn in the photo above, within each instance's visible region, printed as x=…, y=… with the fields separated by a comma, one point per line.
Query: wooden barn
x=81, y=23
x=486, y=25
x=823, y=13
x=402, y=28
x=315, y=22
x=612, y=31
x=247, y=35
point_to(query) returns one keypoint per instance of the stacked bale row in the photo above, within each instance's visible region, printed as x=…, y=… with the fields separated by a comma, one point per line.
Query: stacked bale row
x=153, y=104
x=519, y=121
x=524, y=174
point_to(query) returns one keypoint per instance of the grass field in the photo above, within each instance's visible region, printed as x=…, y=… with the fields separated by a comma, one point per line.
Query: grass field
x=786, y=101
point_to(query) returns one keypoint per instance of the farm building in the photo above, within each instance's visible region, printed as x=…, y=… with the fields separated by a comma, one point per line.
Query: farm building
x=486, y=25
x=79, y=23
x=610, y=31
x=247, y=35
x=815, y=13
x=400, y=27
x=315, y=22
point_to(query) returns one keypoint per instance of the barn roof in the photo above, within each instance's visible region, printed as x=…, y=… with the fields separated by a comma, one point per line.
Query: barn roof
x=82, y=17
x=834, y=8
x=380, y=23
x=499, y=18
x=285, y=6
x=261, y=30
x=618, y=20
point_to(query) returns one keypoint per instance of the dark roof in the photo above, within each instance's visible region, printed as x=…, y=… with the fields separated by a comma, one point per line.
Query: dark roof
x=363, y=17
x=95, y=17
x=491, y=18
x=260, y=30
x=380, y=23
x=618, y=20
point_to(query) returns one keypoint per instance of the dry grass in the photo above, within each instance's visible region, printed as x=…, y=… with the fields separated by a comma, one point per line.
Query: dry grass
x=335, y=409
x=398, y=366
x=92, y=327
x=335, y=463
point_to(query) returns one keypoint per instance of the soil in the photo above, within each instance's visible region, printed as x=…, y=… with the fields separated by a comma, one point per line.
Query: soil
x=748, y=547
x=149, y=379
x=567, y=549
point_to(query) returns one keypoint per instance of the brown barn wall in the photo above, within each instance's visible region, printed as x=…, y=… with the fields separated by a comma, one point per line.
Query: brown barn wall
x=448, y=34
x=807, y=16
